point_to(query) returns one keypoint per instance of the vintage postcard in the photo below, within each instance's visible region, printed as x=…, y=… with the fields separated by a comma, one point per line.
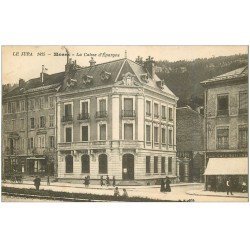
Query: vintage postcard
x=124, y=123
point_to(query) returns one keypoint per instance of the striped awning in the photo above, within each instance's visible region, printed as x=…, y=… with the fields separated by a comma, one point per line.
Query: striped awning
x=227, y=166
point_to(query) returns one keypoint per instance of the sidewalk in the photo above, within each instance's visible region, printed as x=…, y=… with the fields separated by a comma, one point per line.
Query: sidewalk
x=216, y=194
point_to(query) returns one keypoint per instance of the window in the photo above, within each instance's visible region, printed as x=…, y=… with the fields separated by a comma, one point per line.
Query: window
x=41, y=141
x=148, y=108
x=156, y=110
x=85, y=164
x=51, y=121
x=22, y=124
x=128, y=108
x=163, y=162
x=128, y=131
x=12, y=107
x=103, y=164
x=170, y=137
x=69, y=163
x=41, y=103
x=156, y=140
x=85, y=133
x=31, y=143
x=51, y=141
x=222, y=105
x=5, y=108
x=32, y=123
x=31, y=104
x=170, y=165
x=148, y=133
x=42, y=122
x=102, y=128
x=155, y=164
x=243, y=102
x=163, y=136
x=85, y=107
x=22, y=106
x=51, y=102
x=223, y=138
x=102, y=105
x=68, y=132
x=9, y=107
x=243, y=137
x=13, y=125
x=163, y=112
x=68, y=110
x=148, y=164
x=170, y=114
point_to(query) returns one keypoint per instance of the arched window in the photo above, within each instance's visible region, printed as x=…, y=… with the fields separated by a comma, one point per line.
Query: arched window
x=85, y=164
x=103, y=164
x=69, y=163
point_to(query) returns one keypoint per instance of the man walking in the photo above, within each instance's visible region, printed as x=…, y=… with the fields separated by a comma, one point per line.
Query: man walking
x=229, y=186
x=37, y=182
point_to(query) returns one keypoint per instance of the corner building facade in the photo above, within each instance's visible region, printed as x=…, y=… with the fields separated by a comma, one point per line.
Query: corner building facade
x=116, y=119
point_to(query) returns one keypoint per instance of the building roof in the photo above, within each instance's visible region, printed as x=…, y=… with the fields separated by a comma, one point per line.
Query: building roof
x=97, y=75
x=35, y=84
x=235, y=74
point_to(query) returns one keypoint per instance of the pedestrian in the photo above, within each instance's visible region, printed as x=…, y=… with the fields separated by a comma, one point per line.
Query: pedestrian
x=107, y=181
x=37, y=182
x=162, y=186
x=229, y=186
x=86, y=181
x=48, y=181
x=125, y=194
x=101, y=181
x=113, y=181
x=88, y=177
x=168, y=188
x=116, y=192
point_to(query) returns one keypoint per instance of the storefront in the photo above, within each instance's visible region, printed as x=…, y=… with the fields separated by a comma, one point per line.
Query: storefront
x=220, y=169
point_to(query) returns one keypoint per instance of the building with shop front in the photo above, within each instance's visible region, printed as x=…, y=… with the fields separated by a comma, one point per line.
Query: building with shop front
x=117, y=119
x=29, y=125
x=190, y=143
x=226, y=129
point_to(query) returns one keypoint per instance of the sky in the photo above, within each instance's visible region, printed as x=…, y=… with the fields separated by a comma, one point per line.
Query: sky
x=26, y=61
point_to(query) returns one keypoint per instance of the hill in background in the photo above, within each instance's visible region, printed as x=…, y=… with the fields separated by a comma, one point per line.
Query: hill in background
x=184, y=77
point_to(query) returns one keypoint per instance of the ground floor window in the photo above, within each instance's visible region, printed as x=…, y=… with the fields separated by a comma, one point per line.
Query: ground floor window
x=163, y=164
x=170, y=165
x=85, y=164
x=147, y=164
x=69, y=163
x=103, y=164
x=155, y=164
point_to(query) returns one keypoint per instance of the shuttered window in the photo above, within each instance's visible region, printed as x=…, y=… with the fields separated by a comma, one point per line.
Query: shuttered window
x=103, y=132
x=223, y=138
x=128, y=131
x=148, y=130
x=85, y=133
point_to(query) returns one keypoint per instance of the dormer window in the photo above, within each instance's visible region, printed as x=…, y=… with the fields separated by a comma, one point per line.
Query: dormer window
x=105, y=75
x=87, y=79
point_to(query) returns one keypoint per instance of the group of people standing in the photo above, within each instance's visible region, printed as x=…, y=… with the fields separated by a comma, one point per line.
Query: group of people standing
x=107, y=181
x=165, y=185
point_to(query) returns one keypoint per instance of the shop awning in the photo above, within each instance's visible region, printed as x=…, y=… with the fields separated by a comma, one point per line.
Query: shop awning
x=36, y=158
x=227, y=166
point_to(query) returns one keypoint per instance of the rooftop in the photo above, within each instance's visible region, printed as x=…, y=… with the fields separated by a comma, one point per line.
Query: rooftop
x=235, y=74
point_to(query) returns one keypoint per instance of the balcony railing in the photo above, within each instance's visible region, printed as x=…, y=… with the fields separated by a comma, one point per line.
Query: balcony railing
x=163, y=118
x=101, y=114
x=83, y=116
x=222, y=112
x=243, y=145
x=223, y=146
x=243, y=111
x=156, y=116
x=128, y=113
x=67, y=118
x=148, y=114
x=170, y=119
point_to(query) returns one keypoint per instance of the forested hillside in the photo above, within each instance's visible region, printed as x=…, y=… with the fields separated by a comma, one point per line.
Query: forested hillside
x=184, y=77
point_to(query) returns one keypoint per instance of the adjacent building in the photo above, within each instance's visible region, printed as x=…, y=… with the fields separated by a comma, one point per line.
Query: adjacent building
x=117, y=119
x=190, y=143
x=29, y=125
x=226, y=129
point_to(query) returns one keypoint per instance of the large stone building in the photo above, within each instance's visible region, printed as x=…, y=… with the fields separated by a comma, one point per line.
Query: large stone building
x=190, y=143
x=29, y=125
x=118, y=119
x=226, y=125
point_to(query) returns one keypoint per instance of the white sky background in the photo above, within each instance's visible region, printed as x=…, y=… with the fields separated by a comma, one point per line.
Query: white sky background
x=27, y=67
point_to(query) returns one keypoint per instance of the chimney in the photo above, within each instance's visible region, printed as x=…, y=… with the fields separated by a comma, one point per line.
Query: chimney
x=21, y=83
x=150, y=66
x=92, y=62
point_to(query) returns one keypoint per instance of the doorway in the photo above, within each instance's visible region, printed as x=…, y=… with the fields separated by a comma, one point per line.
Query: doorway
x=128, y=167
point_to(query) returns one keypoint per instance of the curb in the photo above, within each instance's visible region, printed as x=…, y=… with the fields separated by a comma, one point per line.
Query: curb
x=213, y=195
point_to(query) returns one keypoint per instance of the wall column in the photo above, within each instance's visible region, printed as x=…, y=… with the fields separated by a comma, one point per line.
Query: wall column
x=115, y=117
x=141, y=115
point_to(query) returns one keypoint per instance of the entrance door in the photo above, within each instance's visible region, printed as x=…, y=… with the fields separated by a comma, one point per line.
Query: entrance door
x=128, y=167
